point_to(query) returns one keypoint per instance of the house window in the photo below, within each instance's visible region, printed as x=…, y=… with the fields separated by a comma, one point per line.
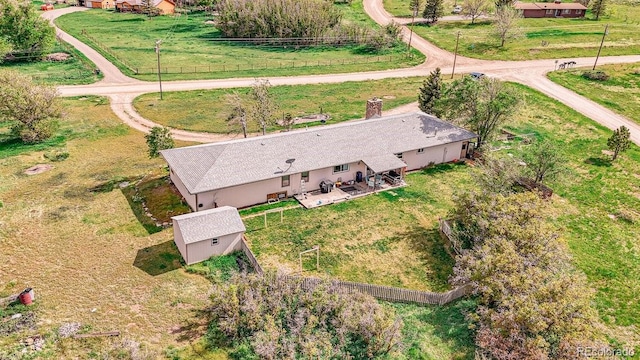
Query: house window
x=285, y=181
x=214, y=241
x=341, y=168
x=305, y=176
x=549, y=11
x=420, y=151
x=398, y=155
x=566, y=11
x=578, y=11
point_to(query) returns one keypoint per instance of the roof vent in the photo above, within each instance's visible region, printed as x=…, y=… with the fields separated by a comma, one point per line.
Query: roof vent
x=262, y=143
x=557, y=1
x=318, y=134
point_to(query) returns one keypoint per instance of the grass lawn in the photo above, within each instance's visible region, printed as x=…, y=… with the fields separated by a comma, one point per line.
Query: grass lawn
x=566, y=38
x=400, y=8
x=77, y=70
x=621, y=93
x=84, y=252
x=390, y=238
x=189, y=49
x=207, y=109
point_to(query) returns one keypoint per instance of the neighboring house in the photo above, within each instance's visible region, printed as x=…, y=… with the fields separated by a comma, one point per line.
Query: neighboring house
x=246, y=172
x=98, y=4
x=164, y=6
x=203, y=234
x=551, y=9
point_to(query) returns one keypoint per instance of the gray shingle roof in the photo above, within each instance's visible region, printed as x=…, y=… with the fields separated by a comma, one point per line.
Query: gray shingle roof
x=209, y=224
x=213, y=166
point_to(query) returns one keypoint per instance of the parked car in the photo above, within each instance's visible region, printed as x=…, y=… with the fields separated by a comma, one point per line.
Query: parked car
x=457, y=9
x=477, y=75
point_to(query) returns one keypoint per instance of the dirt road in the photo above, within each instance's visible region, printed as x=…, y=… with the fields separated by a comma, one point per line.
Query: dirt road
x=122, y=89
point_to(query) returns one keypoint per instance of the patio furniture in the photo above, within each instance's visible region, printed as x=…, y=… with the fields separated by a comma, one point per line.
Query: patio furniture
x=371, y=183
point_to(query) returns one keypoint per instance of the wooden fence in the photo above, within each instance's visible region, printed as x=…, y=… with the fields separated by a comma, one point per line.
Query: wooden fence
x=252, y=259
x=452, y=241
x=386, y=293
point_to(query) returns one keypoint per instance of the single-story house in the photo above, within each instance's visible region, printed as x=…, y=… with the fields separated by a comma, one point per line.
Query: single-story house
x=202, y=234
x=164, y=6
x=251, y=171
x=100, y=4
x=551, y=9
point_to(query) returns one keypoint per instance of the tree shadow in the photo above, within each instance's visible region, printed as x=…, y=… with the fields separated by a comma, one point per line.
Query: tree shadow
x=450, y=323
x=195, y=328
x=138, y=210
x=430, y=247
x=598, y=161
x=158, y=259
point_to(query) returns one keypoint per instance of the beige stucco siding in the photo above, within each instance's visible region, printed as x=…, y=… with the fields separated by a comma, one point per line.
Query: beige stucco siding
x=437, y=154
x=202, y=250
x=191, y=199
x=166, y=7
x=177, y=238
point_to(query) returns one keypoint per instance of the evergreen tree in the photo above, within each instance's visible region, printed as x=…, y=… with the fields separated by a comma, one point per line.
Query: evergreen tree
x=598, y=8
x=430, y=92
x=619, y=141
x=433, y=10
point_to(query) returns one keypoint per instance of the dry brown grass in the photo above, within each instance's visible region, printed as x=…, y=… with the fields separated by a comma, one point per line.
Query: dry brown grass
x=77, y=248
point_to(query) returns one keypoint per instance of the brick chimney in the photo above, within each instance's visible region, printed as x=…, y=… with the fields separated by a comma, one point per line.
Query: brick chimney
x=374, y=108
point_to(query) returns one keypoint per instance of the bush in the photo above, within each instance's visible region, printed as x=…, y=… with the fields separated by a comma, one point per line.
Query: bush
x=58, y=155
x=595, y=75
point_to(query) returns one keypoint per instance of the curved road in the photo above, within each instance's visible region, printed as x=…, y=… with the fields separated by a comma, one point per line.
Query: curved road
x=122, y=89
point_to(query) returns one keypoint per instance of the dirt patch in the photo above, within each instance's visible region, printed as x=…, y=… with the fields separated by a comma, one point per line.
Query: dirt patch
x=389, y=97
x=38, y=169
x=607, y=152
x=308, y=119
x=59, y=56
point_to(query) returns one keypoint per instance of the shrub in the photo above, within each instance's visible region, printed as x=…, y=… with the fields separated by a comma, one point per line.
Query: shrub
x=58, y=155
x=595, y=75
x=276, y=18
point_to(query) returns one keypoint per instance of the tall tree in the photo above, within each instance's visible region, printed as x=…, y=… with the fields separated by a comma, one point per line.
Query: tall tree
x=481, y=105
x=415, y=6
x=238, y=114
x=532, y=303
x=473, y=9
x=263, y=107
x=433, y=10
x=598, y=7
x=501, y=3
x=29, y=35
x=544, y=161
x=430, y=92
x=159, y=138
x=506, y=23
x=619, y=141
x=33, y=110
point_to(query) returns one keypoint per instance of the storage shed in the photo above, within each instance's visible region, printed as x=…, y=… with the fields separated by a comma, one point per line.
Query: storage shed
x=202, y=234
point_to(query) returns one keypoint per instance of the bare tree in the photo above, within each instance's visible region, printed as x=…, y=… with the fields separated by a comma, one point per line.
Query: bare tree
x=544, y=161
x=506, y=23
x=262, y=108
x=238, y=114
x=474, y=9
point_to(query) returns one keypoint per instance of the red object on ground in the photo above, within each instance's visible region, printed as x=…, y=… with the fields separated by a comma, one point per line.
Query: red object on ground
x=46, y=7
x=25, y=297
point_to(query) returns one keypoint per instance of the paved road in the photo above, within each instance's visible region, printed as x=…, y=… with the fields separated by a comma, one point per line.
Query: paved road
x=122, y=89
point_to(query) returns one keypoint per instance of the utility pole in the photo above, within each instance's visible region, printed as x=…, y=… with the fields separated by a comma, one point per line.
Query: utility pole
x=601, y=43
x=158, y=42
x=455, y=55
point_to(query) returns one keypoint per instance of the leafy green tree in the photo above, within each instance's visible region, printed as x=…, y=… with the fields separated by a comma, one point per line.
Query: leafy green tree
x=544, y=161
x=29, y=36
x=275, y=317
x=532, y=304
x=430, y=92
x=33, y=110
x=619, y=141
x=501, y=3
x=506, y=23
x=5, y=48
x=433, y=10
x=262, y=107
x=159, y=138
x=481, y=105
x=598, y=8
x=415, y=6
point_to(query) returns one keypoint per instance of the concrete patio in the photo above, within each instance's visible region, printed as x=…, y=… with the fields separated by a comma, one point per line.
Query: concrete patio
x=346, y=192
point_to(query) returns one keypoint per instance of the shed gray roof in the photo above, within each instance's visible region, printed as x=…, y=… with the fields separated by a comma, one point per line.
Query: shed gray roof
x=209, y=224
x=208, y=167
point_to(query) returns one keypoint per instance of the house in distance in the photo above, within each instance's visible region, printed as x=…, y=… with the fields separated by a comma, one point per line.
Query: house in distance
x=556, y=9
x=251, y=171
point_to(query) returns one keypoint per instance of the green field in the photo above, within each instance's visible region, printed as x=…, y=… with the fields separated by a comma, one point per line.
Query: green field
x=192, y=49
x=565, y=38
x=74, y=71
x=621, y=93
x=400, y=8
x=207, y=109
